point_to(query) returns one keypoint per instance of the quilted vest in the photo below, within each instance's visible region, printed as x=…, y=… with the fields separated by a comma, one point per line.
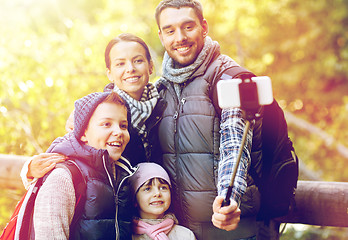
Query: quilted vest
x=190, y=140
x=98, y=220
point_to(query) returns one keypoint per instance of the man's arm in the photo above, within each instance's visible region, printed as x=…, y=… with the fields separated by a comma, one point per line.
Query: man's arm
x=231, y=130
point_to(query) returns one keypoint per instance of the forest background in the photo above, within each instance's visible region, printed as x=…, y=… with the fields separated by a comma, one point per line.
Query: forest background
x=52, y=53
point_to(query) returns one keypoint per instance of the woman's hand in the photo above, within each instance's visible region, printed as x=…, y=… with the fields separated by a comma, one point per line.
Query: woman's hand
x=43, y=163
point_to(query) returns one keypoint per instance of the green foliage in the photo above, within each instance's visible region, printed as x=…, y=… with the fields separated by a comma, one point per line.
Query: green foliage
x=295, y=231
x=51, y=53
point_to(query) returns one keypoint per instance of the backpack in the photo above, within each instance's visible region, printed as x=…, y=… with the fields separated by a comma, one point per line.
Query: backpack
x=280, y=167
x=22, y=218
x=277, y=180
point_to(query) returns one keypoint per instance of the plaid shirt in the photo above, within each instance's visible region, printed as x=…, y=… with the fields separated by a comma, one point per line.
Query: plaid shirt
x=231, y=129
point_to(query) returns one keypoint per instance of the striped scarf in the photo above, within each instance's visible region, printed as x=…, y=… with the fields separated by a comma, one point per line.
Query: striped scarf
x=178, y=76
x=141, y=110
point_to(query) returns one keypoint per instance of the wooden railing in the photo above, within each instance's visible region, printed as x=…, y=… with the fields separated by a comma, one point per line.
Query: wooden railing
x=10, y=167
x=317, y=202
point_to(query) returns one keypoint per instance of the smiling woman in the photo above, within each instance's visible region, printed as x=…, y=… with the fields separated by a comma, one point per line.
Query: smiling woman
x=129, y=70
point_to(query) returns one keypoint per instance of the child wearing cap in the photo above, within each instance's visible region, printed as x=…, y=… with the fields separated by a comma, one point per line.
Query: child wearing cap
x=99, y=137
x=151, y=192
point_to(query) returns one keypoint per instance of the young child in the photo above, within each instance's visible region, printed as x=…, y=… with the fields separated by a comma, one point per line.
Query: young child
x=151, y=188
x=99, y=137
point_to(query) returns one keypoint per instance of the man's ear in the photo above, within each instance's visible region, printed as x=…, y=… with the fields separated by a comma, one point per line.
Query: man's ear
x=108, y=73
x=160, y=37
x=205, y=27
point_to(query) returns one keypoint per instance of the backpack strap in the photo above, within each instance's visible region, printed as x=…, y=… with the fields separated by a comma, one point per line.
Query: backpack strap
x=232, y=72
x=26, y=223
x=79, y=183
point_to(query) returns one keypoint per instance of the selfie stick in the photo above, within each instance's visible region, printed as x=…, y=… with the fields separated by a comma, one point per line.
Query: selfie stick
x=249, y=102
x=227, y=201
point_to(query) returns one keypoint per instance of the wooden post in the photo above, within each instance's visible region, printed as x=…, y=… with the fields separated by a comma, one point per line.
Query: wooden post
x=320, y=203
x=11, y=166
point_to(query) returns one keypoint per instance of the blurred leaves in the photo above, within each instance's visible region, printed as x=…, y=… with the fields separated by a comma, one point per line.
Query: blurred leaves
x=52, y=53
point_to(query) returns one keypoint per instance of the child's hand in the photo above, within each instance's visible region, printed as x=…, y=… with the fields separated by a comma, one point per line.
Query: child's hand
x=226, y=218
x=43, y=163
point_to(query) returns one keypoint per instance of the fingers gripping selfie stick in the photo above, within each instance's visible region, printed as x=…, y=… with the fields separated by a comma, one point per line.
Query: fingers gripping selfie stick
x=249, y=94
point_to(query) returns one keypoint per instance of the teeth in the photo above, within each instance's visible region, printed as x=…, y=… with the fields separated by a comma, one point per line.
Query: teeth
x=132, y=79
x=182, y=49
x=114, y=144
x=157, y=203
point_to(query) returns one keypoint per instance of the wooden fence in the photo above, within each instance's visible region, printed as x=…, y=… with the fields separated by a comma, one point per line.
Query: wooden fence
x=317, y=202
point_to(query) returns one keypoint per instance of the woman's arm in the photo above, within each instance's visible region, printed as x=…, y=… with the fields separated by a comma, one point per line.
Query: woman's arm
x=38, y=166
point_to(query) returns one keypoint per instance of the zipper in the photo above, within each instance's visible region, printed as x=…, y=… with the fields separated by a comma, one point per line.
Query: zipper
x=183, y=100
x=175, y=117
x=176, y=114
x=178, y=111
x=116, y=202
x=115, y=196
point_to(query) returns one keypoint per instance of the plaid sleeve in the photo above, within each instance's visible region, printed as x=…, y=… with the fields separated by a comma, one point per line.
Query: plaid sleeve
x=231, y=129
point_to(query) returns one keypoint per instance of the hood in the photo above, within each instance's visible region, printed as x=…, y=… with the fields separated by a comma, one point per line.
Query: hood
x=69, y=146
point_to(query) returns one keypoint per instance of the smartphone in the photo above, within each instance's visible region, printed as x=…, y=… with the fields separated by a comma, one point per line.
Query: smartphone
x=229, y=91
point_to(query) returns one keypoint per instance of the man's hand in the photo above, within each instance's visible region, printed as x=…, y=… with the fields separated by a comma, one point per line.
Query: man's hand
x=226, y=218
x=43, y=163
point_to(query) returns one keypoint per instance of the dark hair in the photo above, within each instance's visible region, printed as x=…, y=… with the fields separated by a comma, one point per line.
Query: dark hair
x=150, y=183
x=113, y=97
x=126, y=37
x=196, y=5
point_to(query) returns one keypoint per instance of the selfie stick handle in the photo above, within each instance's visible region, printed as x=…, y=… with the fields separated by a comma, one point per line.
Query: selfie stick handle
x=227, y=201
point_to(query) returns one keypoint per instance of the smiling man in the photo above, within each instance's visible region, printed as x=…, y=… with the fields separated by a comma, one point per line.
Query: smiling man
x=182, y=34
x=193, y=143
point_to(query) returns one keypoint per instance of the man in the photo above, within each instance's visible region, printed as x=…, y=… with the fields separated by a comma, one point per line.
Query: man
x=190, y=129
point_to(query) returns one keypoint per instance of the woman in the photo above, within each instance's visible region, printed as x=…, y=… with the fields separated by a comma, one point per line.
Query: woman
x=128, y=67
